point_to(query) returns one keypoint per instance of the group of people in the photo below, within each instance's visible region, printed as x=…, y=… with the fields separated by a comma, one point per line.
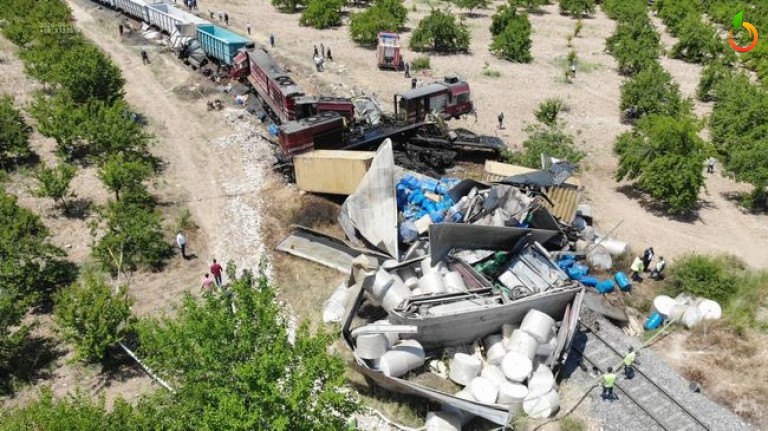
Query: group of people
x=320, y=56
x=643, y=264
x=215, y=269
x=609, y=378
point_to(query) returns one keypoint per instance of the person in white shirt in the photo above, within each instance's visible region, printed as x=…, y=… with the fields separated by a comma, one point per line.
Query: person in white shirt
x=181, y=241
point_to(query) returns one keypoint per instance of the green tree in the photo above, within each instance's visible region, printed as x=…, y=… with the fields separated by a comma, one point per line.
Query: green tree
x=698, y=42
x=577, y=8
x=712, y=277
x=232, y=362
x=119, y=173
x=471, y=5
x=514, y=42
x=503, y=16
x=12, y=334
x=653, y=91
x=86, y=74
x=133, y=235
x=675, y=12
x=288, y=6
x=42, y=56
x=73, y=412
x=58, y=118
x=664, y=155
x=530, y=5
x=550, y=141
x=440, y=32
x=54, y=182
x=14, y=133
x=91, y=317
x=548, y=111
x=713, y=74
x=384, y=15
x=625, y=10
x=635, y=45
x=322, y=13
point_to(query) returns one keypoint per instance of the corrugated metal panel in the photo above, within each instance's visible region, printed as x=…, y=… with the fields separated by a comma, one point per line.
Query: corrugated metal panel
x=496, y=171
x=331, y=171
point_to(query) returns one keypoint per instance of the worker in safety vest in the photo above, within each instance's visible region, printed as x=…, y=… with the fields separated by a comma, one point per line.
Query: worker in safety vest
x=609, y=382
x=629, y=360
x=637, y=268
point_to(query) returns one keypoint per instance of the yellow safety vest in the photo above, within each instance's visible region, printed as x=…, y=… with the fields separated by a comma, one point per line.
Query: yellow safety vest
x=609, y=380
x=630, y=358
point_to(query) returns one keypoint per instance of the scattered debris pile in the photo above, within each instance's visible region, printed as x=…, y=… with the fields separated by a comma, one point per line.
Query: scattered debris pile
x=684, y=309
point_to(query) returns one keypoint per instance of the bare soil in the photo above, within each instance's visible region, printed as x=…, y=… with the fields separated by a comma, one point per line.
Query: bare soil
x=243, y=211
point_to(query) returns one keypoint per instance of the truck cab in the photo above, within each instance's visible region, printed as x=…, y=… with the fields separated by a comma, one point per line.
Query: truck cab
x=388, y=54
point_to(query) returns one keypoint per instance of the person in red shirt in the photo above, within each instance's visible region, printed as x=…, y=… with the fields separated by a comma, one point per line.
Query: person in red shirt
x=206, y=282
x=216, y=271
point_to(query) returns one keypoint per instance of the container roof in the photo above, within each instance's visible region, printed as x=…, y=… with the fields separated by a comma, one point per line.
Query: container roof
x=422, y=91
x=223, y=34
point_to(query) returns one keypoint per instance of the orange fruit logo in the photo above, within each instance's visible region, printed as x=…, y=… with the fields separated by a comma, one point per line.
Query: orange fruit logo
x=738, y=21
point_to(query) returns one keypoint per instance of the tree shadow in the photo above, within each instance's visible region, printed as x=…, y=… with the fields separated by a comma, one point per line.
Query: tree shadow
x=78, y=208
x=660, y=209
x=118, y=366
x=737, y=198
x=474, y=15
x=30, y=362
x=56, y=274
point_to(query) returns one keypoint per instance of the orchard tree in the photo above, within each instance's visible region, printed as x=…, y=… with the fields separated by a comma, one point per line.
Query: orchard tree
x=384, y=15
x=58, y=118
x=42, y=56
x=530, y=5
x=713, y=74
x=514, y=42
x=120, y=173
x=698, y=42
x=675, y=12
x=91, y=317
x=232, y=362
x=653, y=91
x=577, y=8
x=664, y=155
x=635, y=45
x=288, y=6
x=471, y=5
x=440, y=32
x=503, y=16
x=54, y=182
x=110, y=130
x=322, y=13
x=550, y=141
x=86, y=74
x=133, y=236
x=625, y=10
x=14, y=133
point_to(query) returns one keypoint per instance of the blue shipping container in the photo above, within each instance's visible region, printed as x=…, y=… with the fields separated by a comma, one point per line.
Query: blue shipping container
x=221, y=43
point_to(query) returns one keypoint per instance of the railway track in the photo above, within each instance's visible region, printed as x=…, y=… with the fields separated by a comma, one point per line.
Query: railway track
x=663, y=409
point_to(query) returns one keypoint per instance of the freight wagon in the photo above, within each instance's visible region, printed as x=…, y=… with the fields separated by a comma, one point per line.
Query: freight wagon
x=221, y=43
x=136, y=8
x=166, y=17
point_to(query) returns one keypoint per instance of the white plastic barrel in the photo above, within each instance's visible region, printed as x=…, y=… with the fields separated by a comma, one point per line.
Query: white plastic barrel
x=709, y=309
x=454, y=283
x=483, y=390
x=493, y=374
x=692, y=316
x=371, y=346
x=516, y=366
x=381, y=282
x=443, y=421
x=464, y=368
x=538, y=325
x=494, y=349
x=541, y=406
x=663, y=305
x=464, y=415
x=512, y=395
x=676, y=312
x=409, y=277
x=407, y=355
x=506, y=333
x=340, y=294
x=426, y=266
x=394, y=296
x=542, y=381
x=432, y=282
x=614, y=246
x=333, y=311
x=547, y=349
x=523, y=342
x=391, y=336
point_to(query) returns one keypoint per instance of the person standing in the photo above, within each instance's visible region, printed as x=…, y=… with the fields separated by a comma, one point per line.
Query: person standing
x=629, y=360
x=413, y=83
x=328, y=55
x=609, y=382
x=407, y=70
x=501, y=120
x=272, y=40
x=120, y=28
x=226, y=18
x=144, y=57
x=637, y=268
x=216, y=271
x=573, y=70
x=658, y=272
x=206, y=283
x=647, y=258
x=711, y=165
x=181, y=241
x=322, y=50
x=315, y=53
x=248, y=27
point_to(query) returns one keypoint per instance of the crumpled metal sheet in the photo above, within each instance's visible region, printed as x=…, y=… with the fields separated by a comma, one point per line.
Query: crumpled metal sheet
x=372, y=210
x=445, y=237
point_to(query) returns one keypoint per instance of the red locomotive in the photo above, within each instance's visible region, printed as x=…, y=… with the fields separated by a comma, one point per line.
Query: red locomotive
x=450, y=98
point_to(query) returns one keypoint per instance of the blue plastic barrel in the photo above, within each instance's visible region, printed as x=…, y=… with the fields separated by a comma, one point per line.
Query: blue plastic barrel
x=457, y=217
x=429, y=206
x=436, y=217
x=605, y=286
x=429, y=185
x=566, y=263
x=576, y=271
x=654, y=321
x=623, y=281
x=589, y=280
x=416, y=197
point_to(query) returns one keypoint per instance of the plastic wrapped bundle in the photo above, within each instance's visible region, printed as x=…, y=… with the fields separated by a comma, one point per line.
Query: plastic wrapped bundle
x=663, y=305
x=372, y=346
x=494, y=349
x=454, y=283
x=512, y=395
x=494, y=375
x=464, y=368
x=407, y=355
x=432, y=282
x=524, y=343
x=541, y=381
x=516, y=366
x=541, y=406
x=538, y=325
